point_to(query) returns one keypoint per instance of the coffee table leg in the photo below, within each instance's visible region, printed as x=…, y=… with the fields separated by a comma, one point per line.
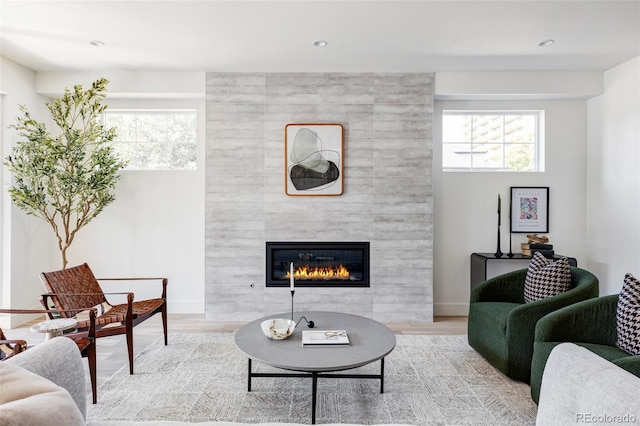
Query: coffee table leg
x=382, y=375
x=314, y=391
x=249, y=377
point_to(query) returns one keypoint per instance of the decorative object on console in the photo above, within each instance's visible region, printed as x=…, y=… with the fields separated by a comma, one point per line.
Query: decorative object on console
x=537, y=243
x=510, y=255
x=314, y=159
x=537, y=239
x=498, y=252
x=546, y=278
x=529, y=209
x=544, y=249
x=628, y=316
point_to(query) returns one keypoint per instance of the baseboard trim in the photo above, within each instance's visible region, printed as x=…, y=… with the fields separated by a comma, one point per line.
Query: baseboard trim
x=185, y=307
x=450, y=309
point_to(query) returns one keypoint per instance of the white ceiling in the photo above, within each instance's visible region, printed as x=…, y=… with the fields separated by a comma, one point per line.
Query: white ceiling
x=277, y=36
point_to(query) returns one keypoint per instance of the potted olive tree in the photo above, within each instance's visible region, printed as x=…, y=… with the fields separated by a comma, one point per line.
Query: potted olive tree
x=69, y=178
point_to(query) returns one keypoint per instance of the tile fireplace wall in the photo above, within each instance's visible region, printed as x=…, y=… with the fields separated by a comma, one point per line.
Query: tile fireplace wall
x=387, y=200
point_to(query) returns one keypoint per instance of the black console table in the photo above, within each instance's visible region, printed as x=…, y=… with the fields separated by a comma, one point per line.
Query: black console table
x=486, y=265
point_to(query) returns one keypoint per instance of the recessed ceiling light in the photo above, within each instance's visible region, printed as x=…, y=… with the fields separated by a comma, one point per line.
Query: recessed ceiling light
x=97, y=43
x=320, y=43
x=545, y=43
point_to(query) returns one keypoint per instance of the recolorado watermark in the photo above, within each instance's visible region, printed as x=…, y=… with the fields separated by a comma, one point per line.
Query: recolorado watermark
x=605, y=418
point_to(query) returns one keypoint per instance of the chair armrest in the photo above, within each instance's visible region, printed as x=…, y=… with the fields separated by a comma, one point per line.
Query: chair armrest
x=522, y=320
x=18, y=345
x=507, y=287
x=42, y=311
x=630, y=363
x=164, y=280
x=541, y=307
x=132, y=278
x=44, y=299
x=589, y=321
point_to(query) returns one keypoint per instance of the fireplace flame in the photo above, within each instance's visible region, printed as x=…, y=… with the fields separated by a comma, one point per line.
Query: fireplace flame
x=320, y=273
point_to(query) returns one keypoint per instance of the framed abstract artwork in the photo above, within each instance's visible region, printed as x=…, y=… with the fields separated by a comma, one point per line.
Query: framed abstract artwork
x=529, y=209
x=314, y=157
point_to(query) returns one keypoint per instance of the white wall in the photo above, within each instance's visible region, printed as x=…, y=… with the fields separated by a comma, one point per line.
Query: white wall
x=613, y=207
x=27, y=242
x=465, y=204
x=507, y=85
x=155, y=227
x=156, y=224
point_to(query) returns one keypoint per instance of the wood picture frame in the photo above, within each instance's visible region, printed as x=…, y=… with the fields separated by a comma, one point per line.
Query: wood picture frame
x=529, y=211
x=314, y=159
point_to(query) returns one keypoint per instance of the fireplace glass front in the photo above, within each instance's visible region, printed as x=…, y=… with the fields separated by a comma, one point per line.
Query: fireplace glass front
x=318, y=264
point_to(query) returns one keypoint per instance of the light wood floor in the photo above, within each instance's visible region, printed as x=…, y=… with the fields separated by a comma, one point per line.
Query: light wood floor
x=112, y=351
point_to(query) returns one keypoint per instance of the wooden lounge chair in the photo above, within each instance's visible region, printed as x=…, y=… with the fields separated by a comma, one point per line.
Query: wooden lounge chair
x=85, y=339
x=77, y=287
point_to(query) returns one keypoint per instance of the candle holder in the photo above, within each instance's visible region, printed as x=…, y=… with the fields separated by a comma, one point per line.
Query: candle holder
x=498, y=252
x=292, y=293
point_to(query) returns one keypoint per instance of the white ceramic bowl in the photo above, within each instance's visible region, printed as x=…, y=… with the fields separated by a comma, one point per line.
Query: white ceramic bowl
x=278, y=328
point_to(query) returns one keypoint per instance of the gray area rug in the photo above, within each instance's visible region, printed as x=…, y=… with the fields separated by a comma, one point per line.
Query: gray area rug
x=429, y=380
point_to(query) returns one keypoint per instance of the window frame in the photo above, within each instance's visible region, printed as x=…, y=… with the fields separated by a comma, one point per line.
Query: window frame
x=538, y=138
x=152, y=110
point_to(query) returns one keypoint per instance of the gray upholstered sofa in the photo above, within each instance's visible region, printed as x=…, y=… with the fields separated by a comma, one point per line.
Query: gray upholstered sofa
x=44, y=385
x=580, y=387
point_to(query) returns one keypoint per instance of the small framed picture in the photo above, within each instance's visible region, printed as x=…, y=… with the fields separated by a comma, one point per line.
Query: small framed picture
x=313, y=159
x=529, y=209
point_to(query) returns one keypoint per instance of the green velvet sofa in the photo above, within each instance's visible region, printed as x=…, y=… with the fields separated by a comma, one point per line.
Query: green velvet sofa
x=501, y=325
x=590, y=324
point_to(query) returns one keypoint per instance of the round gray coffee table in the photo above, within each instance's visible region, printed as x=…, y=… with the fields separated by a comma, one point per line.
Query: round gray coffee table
x=369, y=341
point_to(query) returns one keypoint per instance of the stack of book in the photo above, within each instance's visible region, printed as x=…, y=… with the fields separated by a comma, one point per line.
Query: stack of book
x=546, y=250
x=325, y=338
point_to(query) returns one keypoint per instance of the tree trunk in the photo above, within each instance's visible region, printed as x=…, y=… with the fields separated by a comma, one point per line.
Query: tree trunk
x=63, y=252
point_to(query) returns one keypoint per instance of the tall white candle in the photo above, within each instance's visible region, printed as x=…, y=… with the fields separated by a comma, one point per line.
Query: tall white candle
x=291, y=280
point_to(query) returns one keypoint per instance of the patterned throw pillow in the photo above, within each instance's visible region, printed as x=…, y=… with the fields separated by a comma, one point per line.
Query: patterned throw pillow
x=628, y=316
x=546, y=278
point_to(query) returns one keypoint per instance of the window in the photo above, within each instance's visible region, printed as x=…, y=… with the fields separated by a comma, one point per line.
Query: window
x=155, y=139
x=492, y=141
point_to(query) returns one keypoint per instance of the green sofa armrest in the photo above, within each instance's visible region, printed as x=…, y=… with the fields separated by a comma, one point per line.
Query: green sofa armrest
x=508, y=287
x=590, y=321
x=630, y=363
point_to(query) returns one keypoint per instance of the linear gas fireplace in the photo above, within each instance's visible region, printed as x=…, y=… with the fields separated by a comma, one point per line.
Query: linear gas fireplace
x=322, y=264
